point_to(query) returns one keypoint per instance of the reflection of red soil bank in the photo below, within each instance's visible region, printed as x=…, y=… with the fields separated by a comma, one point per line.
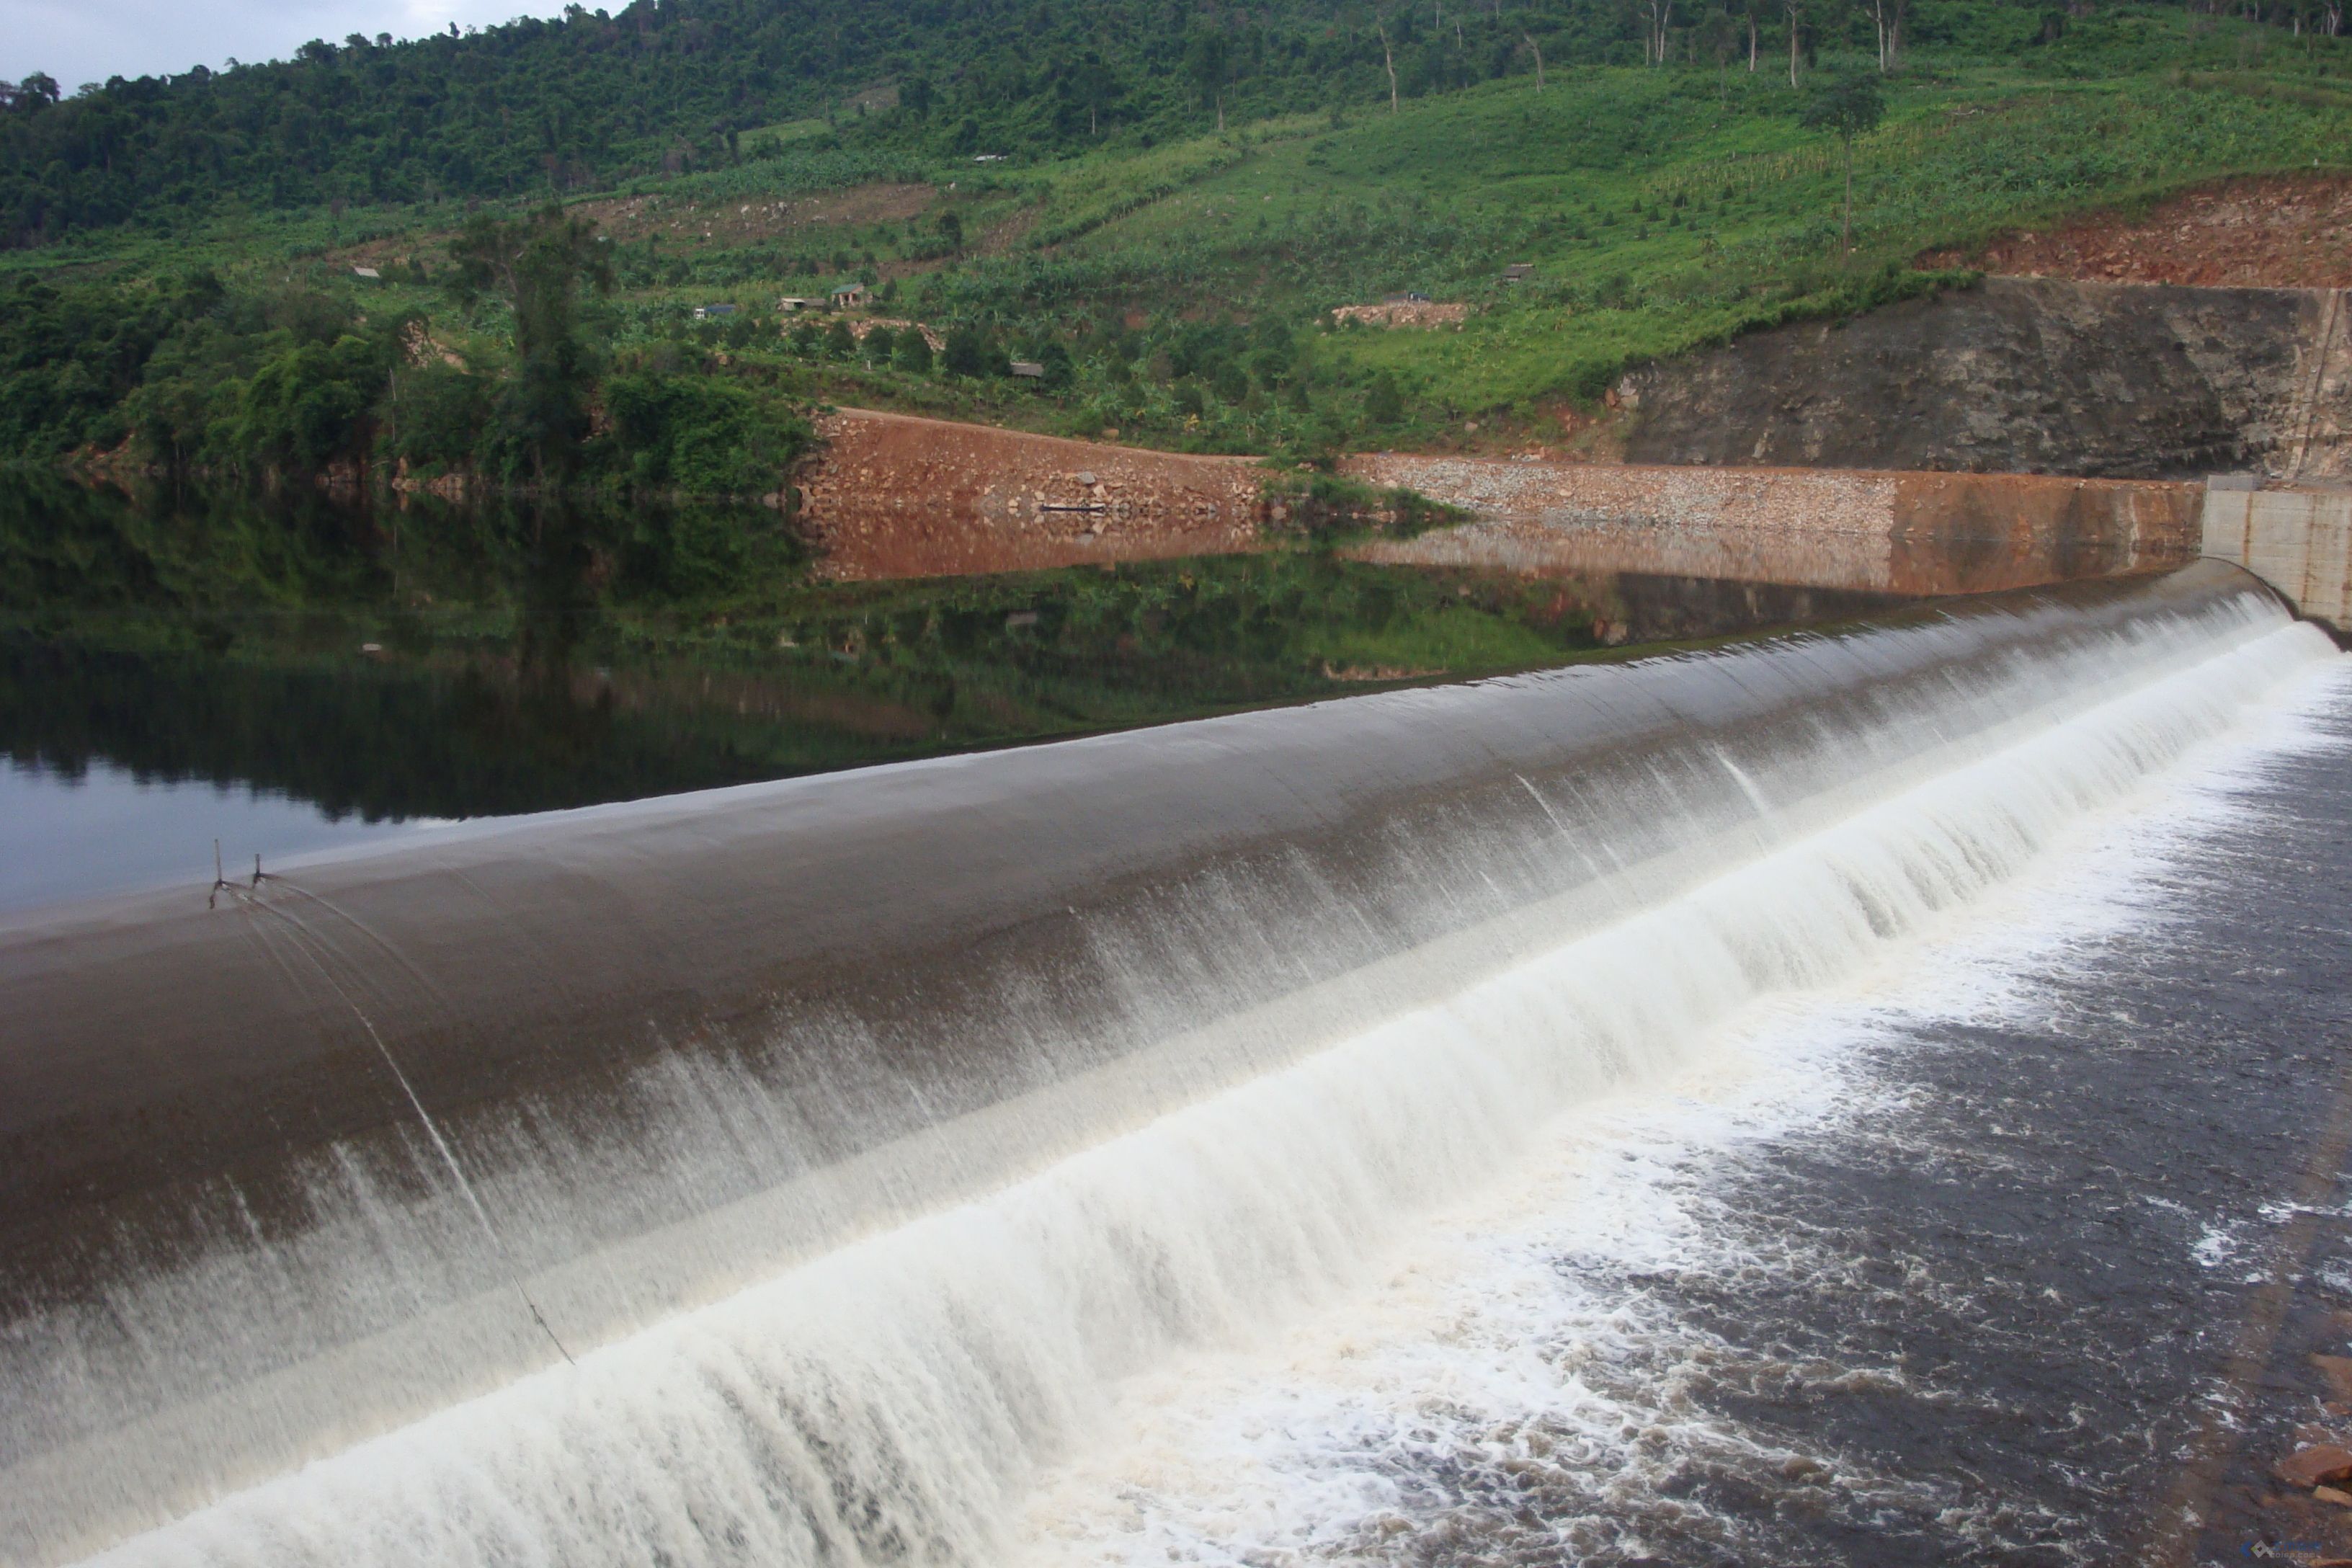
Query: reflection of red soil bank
x=1830, y=528
x=895, y=496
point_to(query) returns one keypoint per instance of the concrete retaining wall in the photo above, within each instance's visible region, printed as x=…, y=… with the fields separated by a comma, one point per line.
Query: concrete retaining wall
x=1884, y=532
x=2296, y=537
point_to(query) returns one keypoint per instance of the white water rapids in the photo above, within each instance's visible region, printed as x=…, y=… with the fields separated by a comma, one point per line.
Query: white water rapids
x=1089, y=1362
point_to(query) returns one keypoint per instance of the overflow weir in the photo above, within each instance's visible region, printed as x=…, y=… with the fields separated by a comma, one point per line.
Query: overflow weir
x=783, y=1172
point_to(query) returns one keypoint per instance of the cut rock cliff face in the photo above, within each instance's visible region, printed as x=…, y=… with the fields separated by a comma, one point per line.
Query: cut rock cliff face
x=2024, y=375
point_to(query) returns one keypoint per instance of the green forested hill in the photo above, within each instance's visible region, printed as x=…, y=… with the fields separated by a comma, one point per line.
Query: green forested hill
x=592, y=98
x=581, y=101
x=1174, y=283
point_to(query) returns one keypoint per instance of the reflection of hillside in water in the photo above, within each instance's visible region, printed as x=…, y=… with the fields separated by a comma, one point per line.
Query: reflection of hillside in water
x=444, y=663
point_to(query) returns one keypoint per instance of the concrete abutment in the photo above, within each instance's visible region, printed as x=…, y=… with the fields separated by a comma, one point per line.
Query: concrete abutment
x=2296, y=537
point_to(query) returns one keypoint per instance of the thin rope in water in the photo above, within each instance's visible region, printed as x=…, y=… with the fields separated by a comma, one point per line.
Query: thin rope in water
x=248, y=898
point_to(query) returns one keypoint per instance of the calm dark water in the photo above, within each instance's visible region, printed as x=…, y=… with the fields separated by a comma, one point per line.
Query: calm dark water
x=287, y=675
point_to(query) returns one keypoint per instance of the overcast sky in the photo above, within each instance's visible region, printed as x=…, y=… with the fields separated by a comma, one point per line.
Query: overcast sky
x=80, y=41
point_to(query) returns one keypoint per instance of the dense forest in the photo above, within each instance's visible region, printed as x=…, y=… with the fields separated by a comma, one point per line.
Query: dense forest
x=592, y=97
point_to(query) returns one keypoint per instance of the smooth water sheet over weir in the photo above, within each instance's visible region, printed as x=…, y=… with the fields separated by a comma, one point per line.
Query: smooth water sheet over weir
x=852, y=1133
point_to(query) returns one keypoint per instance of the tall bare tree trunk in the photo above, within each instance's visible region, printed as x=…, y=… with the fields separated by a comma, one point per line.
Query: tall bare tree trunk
x=1796, y=21
x=1660, y=17
x=1538, y=50
x=1388, y=57
x=1845, y=233
x=1887, y=16
x=1752, y=43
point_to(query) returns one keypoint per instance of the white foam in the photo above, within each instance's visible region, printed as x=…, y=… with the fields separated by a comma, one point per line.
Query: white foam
x=1185, y=1340
x=1480, y=1339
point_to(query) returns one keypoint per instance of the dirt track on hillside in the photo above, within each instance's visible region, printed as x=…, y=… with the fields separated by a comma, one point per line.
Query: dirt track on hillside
x=745, y=219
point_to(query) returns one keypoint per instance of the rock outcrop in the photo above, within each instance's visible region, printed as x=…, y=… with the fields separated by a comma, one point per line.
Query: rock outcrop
x=2023, y=375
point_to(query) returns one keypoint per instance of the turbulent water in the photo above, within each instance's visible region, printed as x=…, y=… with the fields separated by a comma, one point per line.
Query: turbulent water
x=1938, y=1263
x=1694, y=1134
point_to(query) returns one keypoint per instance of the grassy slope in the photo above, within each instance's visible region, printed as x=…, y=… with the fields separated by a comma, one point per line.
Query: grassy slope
x=1131, y=259
x=1467, y=183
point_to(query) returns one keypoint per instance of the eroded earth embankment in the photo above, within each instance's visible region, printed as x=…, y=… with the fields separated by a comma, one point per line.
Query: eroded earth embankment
x=896, y=496
x=2284, y=231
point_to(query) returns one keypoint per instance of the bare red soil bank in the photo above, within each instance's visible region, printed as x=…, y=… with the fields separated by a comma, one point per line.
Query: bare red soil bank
x=2280, y=233
x=895, y=496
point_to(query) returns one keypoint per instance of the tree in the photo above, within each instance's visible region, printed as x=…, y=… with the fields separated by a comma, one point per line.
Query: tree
x=1847, y=108
x=307, y=403
x=967, y=352
x=537, y=265
x=1096, y=84
x=1388, y=57
x=1657, y=19
x=1537, y=49
x=1207, y=61
x=1887, y=15
x=1718, y=35
x=914, y=352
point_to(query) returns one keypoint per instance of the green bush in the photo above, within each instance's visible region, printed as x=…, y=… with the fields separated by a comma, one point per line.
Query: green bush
x=307, y=404
x=700, y=434
x=970, y=353
x=437, y=415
